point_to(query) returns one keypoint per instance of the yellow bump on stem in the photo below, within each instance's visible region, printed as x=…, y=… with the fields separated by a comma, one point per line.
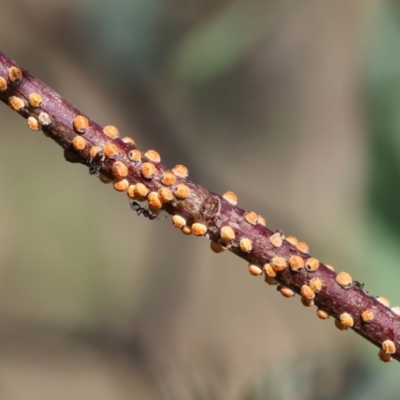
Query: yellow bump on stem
x=168, y=178
x=227, y=233
x=121, y=185
x=33, y=123
x=104, y=179
x=78, y=143
x=182, y=191
x=269, y=271
x=276, y=239
x=254, y=270
x=384, y=356
x=111, y=131
x=396, y=310
x=285, y=291
x=216, y=247
x=119, y=169
x=278, y=264
x=135, y=155
x=384, y=300
x=329, y=266
x=251, y=217
x=312, y=264
x=178, y=221
x=165, y=195
x=303, y=247
x=110, y=150
x=140, y=191
x=80, y=123
x=128, y=140
x=296, y=263
x=339, y=325
x=315, y=284
x=148, y=170
x=199, y=229
x=230, y=197
x=153, y=156
x=181, y=171
x=344, y=280
x=186, y=230
x=306, y=302
x=367, y=316
x=14, y=74
x=44, y=119
x=131, y=192
x=388, y=346
x=346, y=320
x=322, y=314
x=261, y=220
x=292, y=240
x=35, y=99
x=307, y=292
x=3, y=84
x=154, y=201
x=16, y=103
x=245, y=245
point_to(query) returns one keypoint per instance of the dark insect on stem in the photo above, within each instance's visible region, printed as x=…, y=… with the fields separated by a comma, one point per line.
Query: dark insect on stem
x=95, y=163
x=358, y=284
x=143, y=211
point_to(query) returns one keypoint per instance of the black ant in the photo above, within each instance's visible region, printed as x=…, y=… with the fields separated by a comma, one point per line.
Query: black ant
x=358, y=284
x=144, y=211
x=95, y=163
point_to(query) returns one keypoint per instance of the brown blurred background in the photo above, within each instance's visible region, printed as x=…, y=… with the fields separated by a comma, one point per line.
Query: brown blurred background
x=292, y=105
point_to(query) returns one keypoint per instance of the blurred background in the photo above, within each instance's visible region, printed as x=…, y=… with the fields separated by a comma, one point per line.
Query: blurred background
x=292, y=105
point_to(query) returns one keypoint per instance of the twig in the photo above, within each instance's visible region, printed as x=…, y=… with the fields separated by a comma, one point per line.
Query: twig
x=196, y=210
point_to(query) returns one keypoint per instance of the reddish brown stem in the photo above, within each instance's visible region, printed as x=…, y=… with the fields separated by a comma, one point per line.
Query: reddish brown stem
x=202, y=206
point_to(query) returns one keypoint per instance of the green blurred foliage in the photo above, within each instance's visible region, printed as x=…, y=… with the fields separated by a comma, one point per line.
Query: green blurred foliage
x=383, y=80
x=384, y=105
x=129, y=32
x=222, y=40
